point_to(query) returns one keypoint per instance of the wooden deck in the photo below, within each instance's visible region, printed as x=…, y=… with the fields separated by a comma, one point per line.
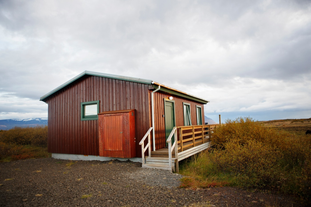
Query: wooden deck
x=191, y=140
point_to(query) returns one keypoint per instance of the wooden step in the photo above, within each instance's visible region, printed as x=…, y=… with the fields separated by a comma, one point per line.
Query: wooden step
x=161, y=153
x=157, y=166
x=159, y=163
x=158, y=160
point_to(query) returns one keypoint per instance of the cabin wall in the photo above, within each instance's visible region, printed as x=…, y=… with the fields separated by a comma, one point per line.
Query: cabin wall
x=179, y=115
x=68, y=134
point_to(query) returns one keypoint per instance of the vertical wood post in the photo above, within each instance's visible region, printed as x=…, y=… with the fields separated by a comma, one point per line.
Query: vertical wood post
x=149, y=147
x=181, y=139
x=209, y=133
x=176, y=153
x=142, y=154
x=219, y=119
x=170, y=154
x=202, y=134
x=193, y=140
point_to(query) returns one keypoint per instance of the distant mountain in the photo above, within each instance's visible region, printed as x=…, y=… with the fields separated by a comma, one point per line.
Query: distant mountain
x=209, y=120
x=6, y=124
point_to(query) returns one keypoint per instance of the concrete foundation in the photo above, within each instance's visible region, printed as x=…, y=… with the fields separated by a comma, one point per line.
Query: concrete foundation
x=91, y=157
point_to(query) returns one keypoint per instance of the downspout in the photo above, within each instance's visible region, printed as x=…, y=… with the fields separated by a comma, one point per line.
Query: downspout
x=152, y=112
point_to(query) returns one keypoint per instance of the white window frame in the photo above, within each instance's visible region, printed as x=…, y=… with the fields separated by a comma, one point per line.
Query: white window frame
x=185, y=114
x=201, y=118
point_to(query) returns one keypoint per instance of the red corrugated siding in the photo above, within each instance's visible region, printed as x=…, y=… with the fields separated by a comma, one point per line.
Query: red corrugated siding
x=68, y=134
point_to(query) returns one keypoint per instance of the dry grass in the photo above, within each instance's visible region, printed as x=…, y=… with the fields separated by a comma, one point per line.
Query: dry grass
x=23, y=143
x=249, y=154
x=295, y=126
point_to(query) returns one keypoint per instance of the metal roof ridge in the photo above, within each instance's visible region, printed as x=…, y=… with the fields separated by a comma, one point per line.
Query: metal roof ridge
x=105, y=75
x=118, y=77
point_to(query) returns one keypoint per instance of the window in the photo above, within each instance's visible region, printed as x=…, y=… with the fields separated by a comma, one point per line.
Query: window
x=199, y=115
x=89, y=110
x=187, y=114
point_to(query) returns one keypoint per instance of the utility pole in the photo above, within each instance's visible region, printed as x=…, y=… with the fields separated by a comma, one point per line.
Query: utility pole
x=219, y=119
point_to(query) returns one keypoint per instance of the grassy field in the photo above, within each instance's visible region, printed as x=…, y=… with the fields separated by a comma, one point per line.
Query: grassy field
x=23, y=143
x=296, y=126
x=272, y=155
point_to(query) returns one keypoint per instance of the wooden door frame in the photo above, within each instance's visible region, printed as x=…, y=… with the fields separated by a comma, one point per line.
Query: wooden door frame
x=174, y=115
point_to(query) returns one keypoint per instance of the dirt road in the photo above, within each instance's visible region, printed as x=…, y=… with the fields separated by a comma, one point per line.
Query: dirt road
x=50, y=182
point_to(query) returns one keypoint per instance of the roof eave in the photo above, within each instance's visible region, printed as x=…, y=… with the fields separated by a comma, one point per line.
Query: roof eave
x=173, y=91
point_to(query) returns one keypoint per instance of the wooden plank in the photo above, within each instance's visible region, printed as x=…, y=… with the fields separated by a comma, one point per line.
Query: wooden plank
x=198, y=137
x=186, y=128
x=198, y=142
x=187, y=140
x=187, y=134
x=189, y=145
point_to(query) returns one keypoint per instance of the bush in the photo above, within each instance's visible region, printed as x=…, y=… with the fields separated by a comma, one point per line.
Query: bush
x=35, y=136
x=23, y=143
x=9, y=152
x=247, y=154
x=254, y=164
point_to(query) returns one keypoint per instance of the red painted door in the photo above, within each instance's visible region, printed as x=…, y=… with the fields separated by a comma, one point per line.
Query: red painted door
x=113, y=134
x=117, y=134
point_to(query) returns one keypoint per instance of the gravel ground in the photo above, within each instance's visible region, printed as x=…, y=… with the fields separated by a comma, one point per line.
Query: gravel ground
x=50, y=182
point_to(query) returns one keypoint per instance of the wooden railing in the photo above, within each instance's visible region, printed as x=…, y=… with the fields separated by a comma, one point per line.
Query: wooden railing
x=187, y=137
x=148, y=146
x=191, y=136
x=172, y=147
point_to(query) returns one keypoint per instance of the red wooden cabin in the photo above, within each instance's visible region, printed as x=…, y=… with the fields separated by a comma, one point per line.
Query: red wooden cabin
x=77, y=111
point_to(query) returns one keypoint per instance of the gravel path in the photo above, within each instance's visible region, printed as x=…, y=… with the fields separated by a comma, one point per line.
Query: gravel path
x=50, y=182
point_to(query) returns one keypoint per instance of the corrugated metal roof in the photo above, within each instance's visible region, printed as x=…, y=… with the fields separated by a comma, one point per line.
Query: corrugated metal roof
x=125, y=78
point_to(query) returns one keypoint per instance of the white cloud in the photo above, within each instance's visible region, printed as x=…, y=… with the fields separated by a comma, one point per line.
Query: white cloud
x=242, y=55
x=13, y=107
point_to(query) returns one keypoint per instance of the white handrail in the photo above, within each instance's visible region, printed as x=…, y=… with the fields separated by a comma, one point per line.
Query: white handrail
x=170, y=147
x=143, y=139
x=171, y=134
x=148, y=146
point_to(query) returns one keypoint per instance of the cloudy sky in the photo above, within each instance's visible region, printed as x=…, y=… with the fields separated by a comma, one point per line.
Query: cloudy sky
x=248, y=58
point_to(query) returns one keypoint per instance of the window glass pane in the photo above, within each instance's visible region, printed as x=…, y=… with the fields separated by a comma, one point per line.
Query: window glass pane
x=199, y=116
x=187, y=115
x=90, y=110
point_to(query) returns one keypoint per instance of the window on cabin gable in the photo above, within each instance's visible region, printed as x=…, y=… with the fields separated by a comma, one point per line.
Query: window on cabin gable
x=199, y=115
x=89, y=110
x=187, y=114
